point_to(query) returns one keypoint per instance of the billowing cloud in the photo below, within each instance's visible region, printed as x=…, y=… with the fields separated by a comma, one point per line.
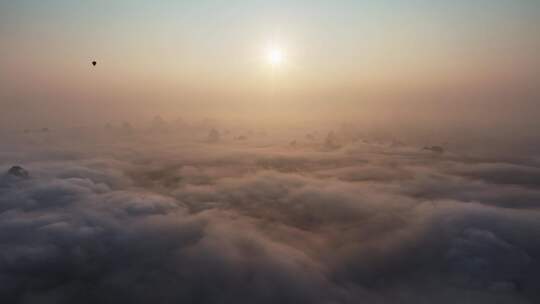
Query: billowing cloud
x=151, y=220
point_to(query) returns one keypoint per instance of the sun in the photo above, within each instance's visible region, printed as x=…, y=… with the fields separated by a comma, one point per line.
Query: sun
x=275, y=55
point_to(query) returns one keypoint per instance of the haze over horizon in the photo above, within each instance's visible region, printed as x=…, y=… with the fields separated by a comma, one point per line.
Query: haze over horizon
x=382, y=61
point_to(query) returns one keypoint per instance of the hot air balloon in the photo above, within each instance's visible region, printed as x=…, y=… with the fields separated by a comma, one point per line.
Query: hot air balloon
x=94, y=63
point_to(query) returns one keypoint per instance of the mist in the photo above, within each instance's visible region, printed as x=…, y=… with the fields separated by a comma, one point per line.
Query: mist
x=203, y=213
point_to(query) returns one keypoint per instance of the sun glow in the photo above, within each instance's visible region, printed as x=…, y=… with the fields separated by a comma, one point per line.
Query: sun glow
x=275, y=56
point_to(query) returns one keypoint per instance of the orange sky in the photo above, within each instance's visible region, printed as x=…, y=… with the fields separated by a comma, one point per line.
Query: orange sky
x=207, y=58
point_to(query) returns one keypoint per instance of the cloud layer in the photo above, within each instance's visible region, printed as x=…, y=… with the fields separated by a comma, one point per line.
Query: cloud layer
x=160, y=220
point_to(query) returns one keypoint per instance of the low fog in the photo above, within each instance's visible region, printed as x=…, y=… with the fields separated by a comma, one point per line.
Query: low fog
x=201, y=211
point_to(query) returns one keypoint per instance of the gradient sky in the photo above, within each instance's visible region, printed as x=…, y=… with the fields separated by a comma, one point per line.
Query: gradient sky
x=206, y=57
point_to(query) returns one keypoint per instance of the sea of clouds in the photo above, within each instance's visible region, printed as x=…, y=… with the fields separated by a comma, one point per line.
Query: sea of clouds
x=121, y=216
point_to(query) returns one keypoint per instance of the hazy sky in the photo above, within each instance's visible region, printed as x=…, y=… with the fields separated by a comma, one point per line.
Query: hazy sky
x=177, y=58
